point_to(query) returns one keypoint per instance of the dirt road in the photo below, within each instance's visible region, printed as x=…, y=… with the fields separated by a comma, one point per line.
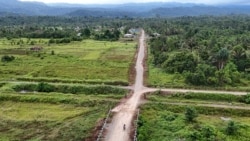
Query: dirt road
x=124, y=112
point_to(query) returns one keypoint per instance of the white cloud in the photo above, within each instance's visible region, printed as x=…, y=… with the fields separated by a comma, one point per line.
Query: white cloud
x=141, y=1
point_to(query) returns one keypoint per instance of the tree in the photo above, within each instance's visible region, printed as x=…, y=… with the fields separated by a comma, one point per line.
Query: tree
x=180, y=62
x=190, y=114
x=86, y=33
x=238, y=52
x=222, y=57
x=208, y=133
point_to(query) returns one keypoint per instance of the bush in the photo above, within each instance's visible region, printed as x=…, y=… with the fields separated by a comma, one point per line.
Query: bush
x=7, y=58
x=246, y=99
x=45, y=87
x=231, y=128
x=190, y=114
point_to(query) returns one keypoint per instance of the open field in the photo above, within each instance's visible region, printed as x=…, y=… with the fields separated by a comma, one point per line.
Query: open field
x=86, y=60
x=52, y=116
x=163, y=118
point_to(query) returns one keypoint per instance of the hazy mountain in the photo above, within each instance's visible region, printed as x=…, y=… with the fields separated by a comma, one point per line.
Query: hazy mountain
x=198, y=10
x=30, y=8
x=134, y=7
x=159, y=9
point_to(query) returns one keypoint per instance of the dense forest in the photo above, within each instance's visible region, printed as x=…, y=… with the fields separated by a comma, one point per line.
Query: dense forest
x=206, y=50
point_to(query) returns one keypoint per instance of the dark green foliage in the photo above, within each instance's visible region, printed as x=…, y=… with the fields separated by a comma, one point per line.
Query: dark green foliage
x=209, y=97
x=231, y=128
x=7, y=58
x=180, y=62
x=246, y=99
x=57, y=80
x=45, y=87
x=222, y=57
x=52, y=52
x=200, y=48
x=190, y=114
x=86, y=32
x=108, y=35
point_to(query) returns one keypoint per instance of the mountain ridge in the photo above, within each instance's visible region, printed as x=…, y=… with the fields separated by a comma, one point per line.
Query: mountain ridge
x=153, y=9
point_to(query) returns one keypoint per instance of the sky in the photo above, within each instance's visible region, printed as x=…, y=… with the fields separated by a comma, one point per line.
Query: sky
x=212, y=2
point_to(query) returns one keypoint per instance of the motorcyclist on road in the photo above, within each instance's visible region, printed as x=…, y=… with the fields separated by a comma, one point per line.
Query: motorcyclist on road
x=124, y=126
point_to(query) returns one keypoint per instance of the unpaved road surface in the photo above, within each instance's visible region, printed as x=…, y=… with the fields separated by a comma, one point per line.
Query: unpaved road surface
x=125, y=111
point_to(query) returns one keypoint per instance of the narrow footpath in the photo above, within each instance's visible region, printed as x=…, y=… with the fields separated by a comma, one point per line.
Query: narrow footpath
x=123, y=114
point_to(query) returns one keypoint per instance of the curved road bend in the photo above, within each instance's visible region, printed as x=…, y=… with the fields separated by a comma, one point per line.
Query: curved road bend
x=124, y=112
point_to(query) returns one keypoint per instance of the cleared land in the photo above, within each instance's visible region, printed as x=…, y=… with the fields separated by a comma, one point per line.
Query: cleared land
x=87, y=60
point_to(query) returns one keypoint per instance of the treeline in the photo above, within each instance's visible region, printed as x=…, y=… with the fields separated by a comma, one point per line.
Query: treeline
x=206, y=50
x=63, y=29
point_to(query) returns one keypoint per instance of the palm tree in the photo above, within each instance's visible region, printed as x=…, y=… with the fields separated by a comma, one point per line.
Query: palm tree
x=222, y=57
x=238, y=52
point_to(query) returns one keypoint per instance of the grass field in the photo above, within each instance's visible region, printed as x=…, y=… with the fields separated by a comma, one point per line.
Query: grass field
x=52, y=116
x=161, y=120
x=86, y=60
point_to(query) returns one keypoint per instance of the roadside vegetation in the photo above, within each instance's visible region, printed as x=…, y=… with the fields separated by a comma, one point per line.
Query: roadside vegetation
x=194, y=117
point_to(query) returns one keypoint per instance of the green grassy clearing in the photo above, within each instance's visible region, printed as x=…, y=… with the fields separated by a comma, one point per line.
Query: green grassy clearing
x=160, y=120
x=52, y=116
x=86, y=60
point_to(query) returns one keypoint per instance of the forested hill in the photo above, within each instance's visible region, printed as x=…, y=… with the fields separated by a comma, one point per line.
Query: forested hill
x=198, y=10
x=10, y=7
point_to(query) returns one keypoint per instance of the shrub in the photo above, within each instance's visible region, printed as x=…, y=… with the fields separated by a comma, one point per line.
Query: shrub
x=247, y=99
x=190, y=114
x=7, y=58
x=231, y=128
x=45, y=87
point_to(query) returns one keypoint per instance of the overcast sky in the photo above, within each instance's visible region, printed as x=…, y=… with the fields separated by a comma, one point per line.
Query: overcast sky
x=143, y=1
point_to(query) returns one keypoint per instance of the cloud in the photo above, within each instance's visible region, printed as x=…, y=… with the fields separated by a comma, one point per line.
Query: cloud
x=144, y=1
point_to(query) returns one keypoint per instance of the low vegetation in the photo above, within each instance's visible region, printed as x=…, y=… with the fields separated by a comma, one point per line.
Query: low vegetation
x=40, y=115
x=86, y=61
x=174, y=118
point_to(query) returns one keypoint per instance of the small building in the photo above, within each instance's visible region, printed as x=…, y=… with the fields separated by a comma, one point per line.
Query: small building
x=128, y=36
x=156, y=34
